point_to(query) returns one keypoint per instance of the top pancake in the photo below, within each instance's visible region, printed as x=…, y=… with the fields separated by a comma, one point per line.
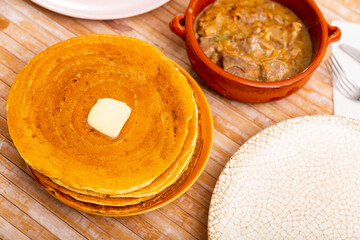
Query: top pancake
x=51, y=97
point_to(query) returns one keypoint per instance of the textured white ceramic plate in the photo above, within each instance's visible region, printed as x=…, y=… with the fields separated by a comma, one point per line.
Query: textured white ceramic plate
x=104, y=9
x=299, y=179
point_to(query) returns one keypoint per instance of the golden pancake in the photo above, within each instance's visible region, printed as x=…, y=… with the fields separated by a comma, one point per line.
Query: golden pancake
x=51, y=97
x=165, y=179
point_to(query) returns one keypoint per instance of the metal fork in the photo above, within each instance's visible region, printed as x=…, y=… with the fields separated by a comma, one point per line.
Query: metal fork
x=342, y=83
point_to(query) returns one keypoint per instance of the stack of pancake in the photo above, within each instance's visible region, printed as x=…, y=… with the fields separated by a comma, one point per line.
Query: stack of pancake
x=155, y=151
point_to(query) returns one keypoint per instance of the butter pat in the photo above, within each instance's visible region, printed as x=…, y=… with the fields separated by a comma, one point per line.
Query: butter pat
x=108, y=116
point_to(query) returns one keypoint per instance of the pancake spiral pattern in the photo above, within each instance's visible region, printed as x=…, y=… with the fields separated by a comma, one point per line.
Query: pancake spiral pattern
x=51, y=97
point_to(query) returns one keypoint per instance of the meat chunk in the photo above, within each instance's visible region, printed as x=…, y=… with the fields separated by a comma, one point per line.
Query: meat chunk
x=241, y=66
x=279, y=38
x=284, y=36
x=250, y=46
x=208, y=45
x=241, y=43
x=274, y=70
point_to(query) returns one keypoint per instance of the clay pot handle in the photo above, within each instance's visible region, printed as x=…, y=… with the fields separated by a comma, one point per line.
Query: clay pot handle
x=177, y=25
x=334, y=33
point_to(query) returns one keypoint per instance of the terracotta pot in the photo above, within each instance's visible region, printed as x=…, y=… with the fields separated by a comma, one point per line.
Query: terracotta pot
x=231, y=86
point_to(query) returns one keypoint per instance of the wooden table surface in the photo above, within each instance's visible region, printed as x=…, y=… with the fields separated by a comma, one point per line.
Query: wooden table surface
x=29, y=212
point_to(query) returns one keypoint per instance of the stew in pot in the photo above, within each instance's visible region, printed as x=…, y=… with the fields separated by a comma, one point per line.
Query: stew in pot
x=254, y=39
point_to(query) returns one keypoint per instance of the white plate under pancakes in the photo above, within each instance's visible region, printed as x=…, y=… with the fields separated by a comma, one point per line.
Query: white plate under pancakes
x=299, y=179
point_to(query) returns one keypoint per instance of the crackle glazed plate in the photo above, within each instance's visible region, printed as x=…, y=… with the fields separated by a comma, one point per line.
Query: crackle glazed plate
x=298, y=179
x=101, y=10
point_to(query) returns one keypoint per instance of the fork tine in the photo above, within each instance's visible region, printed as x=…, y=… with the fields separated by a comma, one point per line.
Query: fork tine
x=347, y=87
x=337, y=83
x=340, y=70
x=338, y=74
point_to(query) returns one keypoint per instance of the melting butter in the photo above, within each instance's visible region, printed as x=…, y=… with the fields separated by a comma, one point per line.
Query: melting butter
x=108, y=116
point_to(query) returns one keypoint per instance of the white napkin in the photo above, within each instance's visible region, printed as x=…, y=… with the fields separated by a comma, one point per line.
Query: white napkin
x=350, y=34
